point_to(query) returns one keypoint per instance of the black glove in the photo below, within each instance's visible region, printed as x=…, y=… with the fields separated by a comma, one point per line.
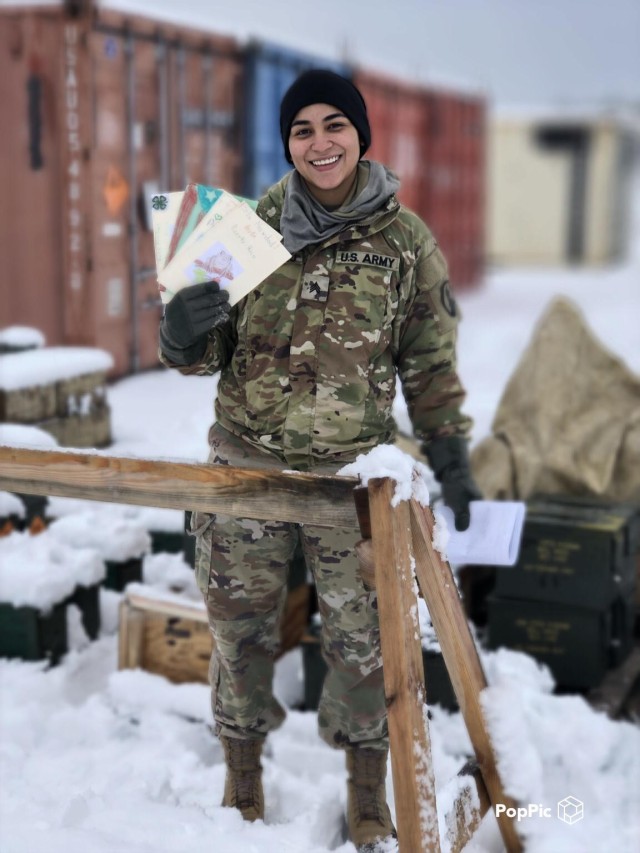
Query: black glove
x=189, y=317
x=449, y=460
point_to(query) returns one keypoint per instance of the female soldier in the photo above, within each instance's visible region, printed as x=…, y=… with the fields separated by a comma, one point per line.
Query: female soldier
x=308, y=364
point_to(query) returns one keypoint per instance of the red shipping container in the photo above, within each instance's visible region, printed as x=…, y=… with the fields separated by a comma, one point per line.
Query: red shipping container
x=453, y=193
x=435, y=142
x=100, y=110
x=398, y=118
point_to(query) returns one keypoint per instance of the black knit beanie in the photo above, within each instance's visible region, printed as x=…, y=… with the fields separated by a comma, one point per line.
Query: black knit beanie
x=320, y=86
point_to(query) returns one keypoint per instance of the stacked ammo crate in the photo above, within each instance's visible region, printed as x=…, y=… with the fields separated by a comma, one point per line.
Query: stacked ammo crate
x=570, y=599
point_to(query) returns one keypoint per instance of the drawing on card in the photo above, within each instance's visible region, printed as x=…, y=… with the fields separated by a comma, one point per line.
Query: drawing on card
x=216, y=263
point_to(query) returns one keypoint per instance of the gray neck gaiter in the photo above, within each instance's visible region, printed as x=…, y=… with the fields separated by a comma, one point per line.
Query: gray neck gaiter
x=305, y=221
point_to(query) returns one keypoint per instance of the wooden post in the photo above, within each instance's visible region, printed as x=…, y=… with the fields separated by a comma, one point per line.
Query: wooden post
x=411, y=765
x=438, y=587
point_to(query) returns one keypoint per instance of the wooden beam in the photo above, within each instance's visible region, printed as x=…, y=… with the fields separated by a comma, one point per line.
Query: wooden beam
x=242, y=492
x=439, y=589
x=411, y=764
x=469, y=807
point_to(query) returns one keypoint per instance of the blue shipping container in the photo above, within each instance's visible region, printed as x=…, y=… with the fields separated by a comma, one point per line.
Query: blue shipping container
x=269, y=71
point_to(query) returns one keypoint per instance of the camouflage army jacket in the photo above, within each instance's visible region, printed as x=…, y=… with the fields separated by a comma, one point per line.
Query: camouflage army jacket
x=309, y=359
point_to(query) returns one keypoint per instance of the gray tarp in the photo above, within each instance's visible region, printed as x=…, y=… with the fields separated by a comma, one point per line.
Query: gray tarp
x=569, y=418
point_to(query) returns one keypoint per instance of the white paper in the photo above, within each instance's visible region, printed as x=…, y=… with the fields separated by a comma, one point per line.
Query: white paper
x=493, y=536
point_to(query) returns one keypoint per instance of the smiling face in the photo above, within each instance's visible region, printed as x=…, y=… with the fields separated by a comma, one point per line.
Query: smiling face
x=325, y=149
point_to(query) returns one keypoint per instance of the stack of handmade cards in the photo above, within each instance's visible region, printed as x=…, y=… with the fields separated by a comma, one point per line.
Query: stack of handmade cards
x=206, y=234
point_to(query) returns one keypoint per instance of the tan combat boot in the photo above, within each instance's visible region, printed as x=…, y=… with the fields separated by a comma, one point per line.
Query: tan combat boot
x=368, y=816
x=243, y=783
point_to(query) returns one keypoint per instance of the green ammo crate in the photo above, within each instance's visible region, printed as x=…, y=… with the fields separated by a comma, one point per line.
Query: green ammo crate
x=438, y=684
x=119, y=574
x=35, y=507
x=30, y=634
x=175, y=541
x=87, y=600
x=578, y=644
x=574, y=551
x=167, y=541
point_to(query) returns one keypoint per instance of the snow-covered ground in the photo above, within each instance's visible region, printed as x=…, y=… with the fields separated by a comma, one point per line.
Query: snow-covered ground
x=100, y=760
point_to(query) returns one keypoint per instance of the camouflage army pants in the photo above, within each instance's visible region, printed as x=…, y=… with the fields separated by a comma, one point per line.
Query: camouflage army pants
x=242, y=567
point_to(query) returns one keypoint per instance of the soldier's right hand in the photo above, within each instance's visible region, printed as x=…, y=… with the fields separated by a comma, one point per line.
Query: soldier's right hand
x=194, y=311
x=188, y=318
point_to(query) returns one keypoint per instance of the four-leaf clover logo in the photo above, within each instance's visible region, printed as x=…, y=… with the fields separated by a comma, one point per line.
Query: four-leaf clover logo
x=159, y=202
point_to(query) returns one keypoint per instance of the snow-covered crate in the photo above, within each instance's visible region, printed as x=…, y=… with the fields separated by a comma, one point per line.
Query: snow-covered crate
x=20, y=338
x=91, y=430
x=35, y=512
x=12, y=513
x=81, y=395
x=168, y=541
x=36, y=385
x=167, y=528
x=87, y=600
x=121, y=573
x=30, y=634
x=27, y=405
x=39, y=577
x=121, y=542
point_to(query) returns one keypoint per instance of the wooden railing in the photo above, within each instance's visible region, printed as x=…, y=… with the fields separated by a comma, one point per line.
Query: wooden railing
x=399, y=542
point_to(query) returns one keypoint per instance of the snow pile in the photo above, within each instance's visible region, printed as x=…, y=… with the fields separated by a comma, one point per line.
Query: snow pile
x=162, y=414
x=19, y=337
x=40, y=571
x=388, y=461
x=17, y=435
x=150, y=518
x=552, y=747
x=11, y=505
x=171, y=573
x=157, y=518
x=113, y=537
x=51, y=364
